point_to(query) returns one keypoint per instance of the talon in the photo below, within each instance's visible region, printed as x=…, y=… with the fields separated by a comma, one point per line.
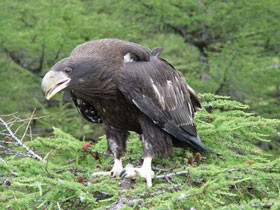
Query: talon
x=117, y=168
x=123, y=174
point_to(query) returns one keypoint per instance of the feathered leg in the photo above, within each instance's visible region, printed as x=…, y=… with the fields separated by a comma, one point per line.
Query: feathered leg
x=116, y=141
x=154, y=142
x=145, y=171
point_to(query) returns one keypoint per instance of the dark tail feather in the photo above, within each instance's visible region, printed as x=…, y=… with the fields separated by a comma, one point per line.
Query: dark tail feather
x=193, y=141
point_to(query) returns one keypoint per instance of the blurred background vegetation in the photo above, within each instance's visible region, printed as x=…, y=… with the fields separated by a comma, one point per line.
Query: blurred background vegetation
x=222, y=47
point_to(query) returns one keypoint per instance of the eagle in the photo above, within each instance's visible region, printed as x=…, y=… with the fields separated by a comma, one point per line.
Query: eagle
x=129, y=87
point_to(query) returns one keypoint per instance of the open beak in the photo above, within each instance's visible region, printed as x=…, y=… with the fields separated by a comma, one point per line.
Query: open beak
x=53, y=82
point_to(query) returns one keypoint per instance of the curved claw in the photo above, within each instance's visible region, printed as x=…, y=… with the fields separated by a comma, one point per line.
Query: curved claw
x=123, y=174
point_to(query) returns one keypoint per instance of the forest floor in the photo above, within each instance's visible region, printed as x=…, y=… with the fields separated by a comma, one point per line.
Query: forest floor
x=241, y=177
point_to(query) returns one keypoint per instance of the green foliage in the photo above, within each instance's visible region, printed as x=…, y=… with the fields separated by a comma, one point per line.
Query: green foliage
x=243, y=176
x=222, y=47
x=12, y=98
x=239, y=47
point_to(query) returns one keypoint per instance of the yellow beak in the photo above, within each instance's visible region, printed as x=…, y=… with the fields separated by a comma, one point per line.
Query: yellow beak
x=53, y=82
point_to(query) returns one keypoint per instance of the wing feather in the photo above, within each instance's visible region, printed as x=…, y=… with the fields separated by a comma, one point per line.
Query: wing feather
x=160, y=92
x=164, y=86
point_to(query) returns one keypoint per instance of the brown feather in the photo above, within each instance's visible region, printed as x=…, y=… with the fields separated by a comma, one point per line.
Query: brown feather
x=117, y=92
x=163, y=84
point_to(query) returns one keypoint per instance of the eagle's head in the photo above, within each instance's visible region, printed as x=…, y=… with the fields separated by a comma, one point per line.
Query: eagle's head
x=70, y=72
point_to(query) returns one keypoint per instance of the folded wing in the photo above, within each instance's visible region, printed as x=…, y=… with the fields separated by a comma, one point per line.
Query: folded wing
x=160, y=92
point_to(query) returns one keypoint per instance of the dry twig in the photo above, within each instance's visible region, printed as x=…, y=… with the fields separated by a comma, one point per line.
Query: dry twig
x=19, y=141
x=171, y=174
x=26, y=129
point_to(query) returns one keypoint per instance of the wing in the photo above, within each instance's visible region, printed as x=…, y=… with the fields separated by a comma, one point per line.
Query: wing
x=87, y=111
x=160, y=92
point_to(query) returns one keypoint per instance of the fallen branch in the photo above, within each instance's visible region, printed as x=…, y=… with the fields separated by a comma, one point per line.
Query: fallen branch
x=7, y=142
x=33, y=154
x=171, y=174
x=8, y=115
x=162, y=169
x=11, y=152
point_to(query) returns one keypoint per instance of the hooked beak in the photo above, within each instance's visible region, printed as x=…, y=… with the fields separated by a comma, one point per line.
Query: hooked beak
x=53, y=82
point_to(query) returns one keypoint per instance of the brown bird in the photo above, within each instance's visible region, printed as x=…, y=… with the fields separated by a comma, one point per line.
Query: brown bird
x=128, y=87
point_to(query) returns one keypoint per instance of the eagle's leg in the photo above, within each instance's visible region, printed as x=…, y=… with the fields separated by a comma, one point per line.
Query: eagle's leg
x=116, y=142
x=145, y=170
x=117, y=167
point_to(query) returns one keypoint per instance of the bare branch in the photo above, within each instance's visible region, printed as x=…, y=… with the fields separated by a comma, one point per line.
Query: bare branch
x=33, y=154
x=7, y=142
x=26, y=129
x=7, y=115
x=18, y=128
x=162, y=169
x=17, y=153
x=21, y=120
x=171, y=174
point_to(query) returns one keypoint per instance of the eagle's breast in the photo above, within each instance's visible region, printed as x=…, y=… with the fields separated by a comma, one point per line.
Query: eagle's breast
x=86, y=110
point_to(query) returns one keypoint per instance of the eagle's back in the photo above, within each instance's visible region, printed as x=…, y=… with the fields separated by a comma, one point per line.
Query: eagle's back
x=112, y=50
x=162, y=94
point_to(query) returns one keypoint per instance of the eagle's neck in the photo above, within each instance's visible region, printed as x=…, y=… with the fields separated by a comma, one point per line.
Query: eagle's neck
x=97, y=88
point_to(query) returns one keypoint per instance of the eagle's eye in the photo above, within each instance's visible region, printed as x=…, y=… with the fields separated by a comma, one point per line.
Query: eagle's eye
x=67, y=70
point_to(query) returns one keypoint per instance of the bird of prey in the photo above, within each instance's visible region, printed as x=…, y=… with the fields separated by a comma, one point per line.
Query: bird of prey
x=129, y=87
